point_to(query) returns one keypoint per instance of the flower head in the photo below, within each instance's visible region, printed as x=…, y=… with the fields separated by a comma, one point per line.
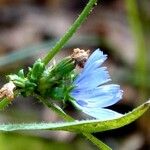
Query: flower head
x=91, y=94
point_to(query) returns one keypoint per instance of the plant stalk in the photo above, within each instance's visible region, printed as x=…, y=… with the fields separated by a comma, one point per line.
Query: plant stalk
x=66, y=117
x=60, y=44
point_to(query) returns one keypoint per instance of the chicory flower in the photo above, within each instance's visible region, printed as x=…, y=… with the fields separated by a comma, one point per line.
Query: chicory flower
x=91, y=93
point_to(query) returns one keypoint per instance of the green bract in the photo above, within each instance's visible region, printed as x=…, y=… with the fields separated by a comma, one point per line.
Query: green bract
x=55, y=77
x=53, y=82
x=28, y=83
x=36, y=71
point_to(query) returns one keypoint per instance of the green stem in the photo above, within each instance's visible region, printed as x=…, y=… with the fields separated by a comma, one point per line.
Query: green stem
x=97, y=142
x=66, y=117
x=4, y=103
x=54, y=107
x=70, y=32
x=141, y=75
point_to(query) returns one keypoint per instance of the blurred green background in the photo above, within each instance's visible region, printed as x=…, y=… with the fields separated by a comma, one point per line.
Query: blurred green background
x=121, y=28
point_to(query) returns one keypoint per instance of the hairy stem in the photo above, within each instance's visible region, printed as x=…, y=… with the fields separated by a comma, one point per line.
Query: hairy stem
x=97, y=142
x=70, y=31
x=66, y=117
x=54, y=107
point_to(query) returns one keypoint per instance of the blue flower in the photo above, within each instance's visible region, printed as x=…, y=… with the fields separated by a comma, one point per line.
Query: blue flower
x=91, y=94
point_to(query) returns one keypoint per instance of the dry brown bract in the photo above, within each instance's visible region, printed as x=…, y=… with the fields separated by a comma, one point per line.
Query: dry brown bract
x=8, y=90
x=80, y=56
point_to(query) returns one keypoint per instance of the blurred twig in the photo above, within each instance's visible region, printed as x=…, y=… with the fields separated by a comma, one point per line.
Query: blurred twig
x=141, y=75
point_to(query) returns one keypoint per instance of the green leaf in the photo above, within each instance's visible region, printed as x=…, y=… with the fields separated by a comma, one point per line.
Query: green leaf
x=88, y=126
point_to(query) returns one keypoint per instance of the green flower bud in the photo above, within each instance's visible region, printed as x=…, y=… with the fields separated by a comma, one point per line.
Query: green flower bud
x=36, y=71
x=53, y=77
x=27, y=84
x=21, y=73
x=17, y=80
x=64, y=67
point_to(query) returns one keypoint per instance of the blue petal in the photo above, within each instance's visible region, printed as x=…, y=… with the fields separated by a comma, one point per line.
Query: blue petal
x=102, y=114
x=99, y=113
x=93, y=79
x=96, y=55
x=102, y=96
x=89, y=96
x=85, y=71
x=94, y=61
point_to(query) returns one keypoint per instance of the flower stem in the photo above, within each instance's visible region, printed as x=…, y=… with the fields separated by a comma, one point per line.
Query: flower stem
x=54, y=107
x=70, y=31
x=4, y=103
x=97, y=142
x=61, y=113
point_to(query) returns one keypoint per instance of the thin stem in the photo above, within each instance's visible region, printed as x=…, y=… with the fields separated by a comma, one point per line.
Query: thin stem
x=97, y=142
x=54, y=107
x=70, y=32
x=4, y=103
x=66, y=117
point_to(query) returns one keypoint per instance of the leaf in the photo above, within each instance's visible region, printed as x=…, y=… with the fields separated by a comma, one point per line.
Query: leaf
x=89, y=126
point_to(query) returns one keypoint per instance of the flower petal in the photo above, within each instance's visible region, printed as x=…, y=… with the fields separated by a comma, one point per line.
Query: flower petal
x=102, y=96
x=98, y=113
x=90, y=96
x=94, y=62
x=97, y=55
x=93, y=79
x=102, y=114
